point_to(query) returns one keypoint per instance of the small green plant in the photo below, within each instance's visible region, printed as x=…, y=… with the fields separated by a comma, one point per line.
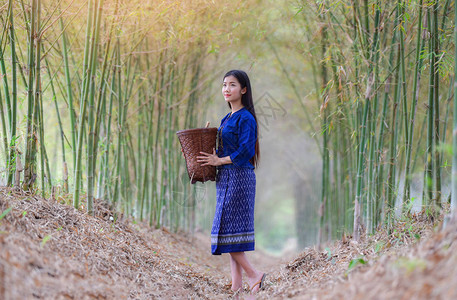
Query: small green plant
x=379, y=246
x=329, y=253
x=413, y=234
x=354, y=263
x=5, y=212
x=45, y=240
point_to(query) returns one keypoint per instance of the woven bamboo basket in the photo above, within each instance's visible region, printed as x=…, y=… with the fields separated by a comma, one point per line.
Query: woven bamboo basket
x=192, y=142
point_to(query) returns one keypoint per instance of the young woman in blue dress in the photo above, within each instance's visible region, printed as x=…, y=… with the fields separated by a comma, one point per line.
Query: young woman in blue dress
x=237, y=155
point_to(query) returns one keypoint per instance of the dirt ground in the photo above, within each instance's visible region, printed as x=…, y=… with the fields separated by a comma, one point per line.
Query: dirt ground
x=53, y=251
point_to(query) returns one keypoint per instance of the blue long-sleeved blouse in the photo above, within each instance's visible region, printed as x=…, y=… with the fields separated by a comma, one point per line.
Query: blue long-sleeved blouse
x=237, y=136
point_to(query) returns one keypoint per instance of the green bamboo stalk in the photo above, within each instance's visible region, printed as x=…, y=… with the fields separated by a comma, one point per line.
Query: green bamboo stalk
x=4, y=130
x=148, y=151
x=334, y=196
x=10, y=21
x=446, y=117
x=366, y=18
x=403, y=87
x=13, y=105
x=370, y=92
x=324, y=128
x=128, y=163
x=102, y=141
x=91, y=122
x=108, y=129
x=29, y=175
x=436, y=50
x=140, y=135
x=360, y=158
x=125, y=178
x=145, y=176
x=154, y=217
x=62, y=134
x=454, y=132
x=415, y=92
x=101, y=108
x=89, y=52
x=117, y=178
x=383, y=120
x=36, y=108
x=171, y=177
x=69, y=92
x=39, y=105
x=391, y=177
x=428, y=184
x=371, y=169
x=163, y=204
x=2, y=109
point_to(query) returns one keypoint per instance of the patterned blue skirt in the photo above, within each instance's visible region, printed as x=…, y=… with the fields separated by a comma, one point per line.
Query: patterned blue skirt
x=233, y=225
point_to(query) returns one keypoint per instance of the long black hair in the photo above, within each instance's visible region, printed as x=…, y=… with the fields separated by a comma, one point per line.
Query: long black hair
x=247, y=101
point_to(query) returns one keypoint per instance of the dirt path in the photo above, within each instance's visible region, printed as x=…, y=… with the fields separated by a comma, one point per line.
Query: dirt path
x=52, y=251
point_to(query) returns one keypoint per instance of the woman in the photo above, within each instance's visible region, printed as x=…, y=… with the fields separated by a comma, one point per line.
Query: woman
x=236, y=157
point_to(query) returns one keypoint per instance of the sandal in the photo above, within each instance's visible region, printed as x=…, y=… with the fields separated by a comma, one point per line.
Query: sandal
x=260, y=283
x=236, y=293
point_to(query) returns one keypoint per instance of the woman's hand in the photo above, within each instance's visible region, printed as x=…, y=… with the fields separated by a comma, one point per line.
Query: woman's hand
x=209, y=159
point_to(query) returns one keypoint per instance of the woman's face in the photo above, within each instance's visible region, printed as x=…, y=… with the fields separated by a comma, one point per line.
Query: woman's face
x=231, y=89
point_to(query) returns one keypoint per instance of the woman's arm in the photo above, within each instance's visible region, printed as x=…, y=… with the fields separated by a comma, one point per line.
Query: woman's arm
x=247, y=136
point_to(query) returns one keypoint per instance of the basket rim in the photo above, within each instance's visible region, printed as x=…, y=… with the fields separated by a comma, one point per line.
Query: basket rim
x=192, y=130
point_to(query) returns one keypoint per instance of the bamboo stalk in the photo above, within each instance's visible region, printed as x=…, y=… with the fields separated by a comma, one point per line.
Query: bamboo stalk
x=13, y=108
x=148, y=152
x=62, y=134
x=454, y=131
x=29, y=172
x=324, y=128
x=428, y=184
x=117, y=178
x=89, y=52
x=415, y=92
x=436, y=84
x=108, y=130
x=38, y=115
x=371, y=169
x=382, y=125
x=2, y=61
x=154, y=217
x=69, y=92
x=391, y=182
x=92, y=140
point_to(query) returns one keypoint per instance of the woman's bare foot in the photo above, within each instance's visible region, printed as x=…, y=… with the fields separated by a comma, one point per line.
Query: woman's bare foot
x=236, y=289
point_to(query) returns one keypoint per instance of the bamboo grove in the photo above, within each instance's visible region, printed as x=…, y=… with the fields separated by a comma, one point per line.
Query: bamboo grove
x=385, y=76
x=108, y=83
x=111, y=82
